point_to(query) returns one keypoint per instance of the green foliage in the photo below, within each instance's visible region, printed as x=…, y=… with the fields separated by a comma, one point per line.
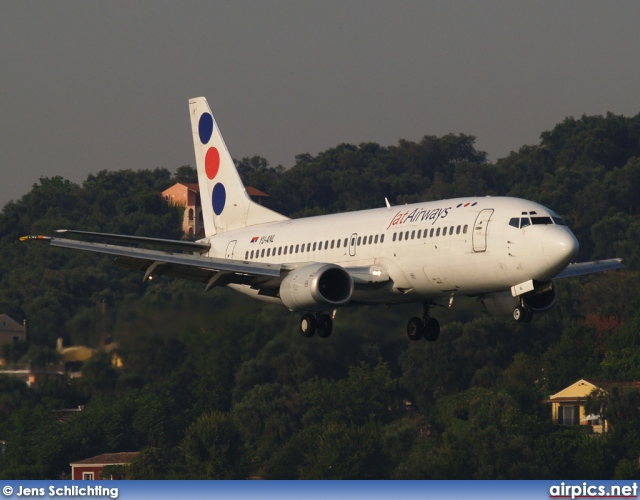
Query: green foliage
x=213, y=449
x=219, y=386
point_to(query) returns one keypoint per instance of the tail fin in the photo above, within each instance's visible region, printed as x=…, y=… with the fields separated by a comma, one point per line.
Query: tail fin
x=225, y=202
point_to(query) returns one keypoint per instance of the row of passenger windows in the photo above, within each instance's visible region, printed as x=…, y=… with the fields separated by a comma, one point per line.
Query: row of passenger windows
x=372, y=239
x=430, y=233
x=312, y=247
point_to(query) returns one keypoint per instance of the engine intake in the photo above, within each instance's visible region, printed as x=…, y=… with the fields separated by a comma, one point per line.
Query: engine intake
x=316, y=287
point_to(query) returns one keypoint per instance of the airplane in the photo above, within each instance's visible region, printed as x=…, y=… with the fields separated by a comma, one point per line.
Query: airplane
x=505, y=251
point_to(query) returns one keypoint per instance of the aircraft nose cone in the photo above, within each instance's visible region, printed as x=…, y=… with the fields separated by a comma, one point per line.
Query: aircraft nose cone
x=560, y=246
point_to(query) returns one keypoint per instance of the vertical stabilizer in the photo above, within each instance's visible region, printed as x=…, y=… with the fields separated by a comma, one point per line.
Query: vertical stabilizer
x=225, y=202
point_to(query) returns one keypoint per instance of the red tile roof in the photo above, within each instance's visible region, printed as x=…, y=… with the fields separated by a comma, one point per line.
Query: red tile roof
x=121, y=458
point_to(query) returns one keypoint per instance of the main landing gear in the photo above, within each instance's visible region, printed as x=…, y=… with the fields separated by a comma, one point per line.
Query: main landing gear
x=319, y=323
x=425, y=327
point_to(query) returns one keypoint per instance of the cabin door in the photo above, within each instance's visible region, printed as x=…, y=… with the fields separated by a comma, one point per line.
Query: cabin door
x=352, y=244
x=480, y=230
x=230, y=248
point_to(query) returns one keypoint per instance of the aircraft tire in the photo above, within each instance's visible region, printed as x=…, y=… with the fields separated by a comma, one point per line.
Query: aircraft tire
x=308, y=325
x=431, y=329
x=528, y=315
x=519, y=314
x=324, y=326
x=415, y=329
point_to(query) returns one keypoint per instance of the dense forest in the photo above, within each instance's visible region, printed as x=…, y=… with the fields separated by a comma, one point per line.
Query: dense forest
x=214, y=385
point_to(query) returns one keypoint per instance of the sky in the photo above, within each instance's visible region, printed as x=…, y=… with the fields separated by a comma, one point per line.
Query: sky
x=89, y=86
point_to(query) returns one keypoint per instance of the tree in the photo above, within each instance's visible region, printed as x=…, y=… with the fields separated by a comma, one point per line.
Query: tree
x=212, y=449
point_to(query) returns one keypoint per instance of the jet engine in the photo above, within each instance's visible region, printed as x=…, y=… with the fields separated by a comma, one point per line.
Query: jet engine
x=316, y=287
x=541, y=298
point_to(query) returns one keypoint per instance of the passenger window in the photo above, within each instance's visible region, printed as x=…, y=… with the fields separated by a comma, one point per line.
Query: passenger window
x=364, y=240
x=314, y=246
x=524, y=222
x=246, y=255
x=371, y=239
x=438, y=232
x=353, y=242
x=464, y=229
x=382, y=238
x=252, y=254
x=375, y=241
x=262, y=253
x=413, y=235
x=297, y=247
x=345, y=241
x=268, y=252
x=515, y=222
x=326, y=244
x=332, y=243
x=338, y=245
x=451, y=230
x=458, y=229
x=394, y=237
x=419, y=234
x=431, y=233
x=359, y=240
x=279, y=250
x=406, y=235
x=400, y=236
x=291, y=249
x=285, y=250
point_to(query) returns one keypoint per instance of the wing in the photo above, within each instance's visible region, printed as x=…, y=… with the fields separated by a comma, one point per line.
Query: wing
x=208, y=270
x=595, y=266
x=194, y=246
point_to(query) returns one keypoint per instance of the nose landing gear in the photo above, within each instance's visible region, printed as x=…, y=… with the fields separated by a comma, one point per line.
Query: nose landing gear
x=522, y=313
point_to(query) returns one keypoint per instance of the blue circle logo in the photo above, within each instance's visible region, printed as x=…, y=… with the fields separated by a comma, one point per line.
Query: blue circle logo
x=205, y=127
x=219, y=198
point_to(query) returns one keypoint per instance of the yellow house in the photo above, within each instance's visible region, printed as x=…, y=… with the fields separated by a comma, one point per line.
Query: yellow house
x=567, y=406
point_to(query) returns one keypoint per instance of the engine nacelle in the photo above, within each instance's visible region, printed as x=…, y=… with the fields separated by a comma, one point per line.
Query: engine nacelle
x=541, y=298
x=316, y=287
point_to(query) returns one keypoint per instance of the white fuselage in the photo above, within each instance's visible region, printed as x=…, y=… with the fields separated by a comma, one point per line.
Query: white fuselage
x=463, y=246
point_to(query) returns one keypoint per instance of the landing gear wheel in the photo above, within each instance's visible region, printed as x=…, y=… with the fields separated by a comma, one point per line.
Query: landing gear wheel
x=519, y=314
x=415, y=329
x=528, y=315
x=324, y=325
x=431, y=329
x=308, y=325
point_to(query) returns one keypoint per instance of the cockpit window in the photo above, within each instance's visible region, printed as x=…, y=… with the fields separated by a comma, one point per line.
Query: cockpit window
x=541, y=220
x=521, y=222
x=558, y=221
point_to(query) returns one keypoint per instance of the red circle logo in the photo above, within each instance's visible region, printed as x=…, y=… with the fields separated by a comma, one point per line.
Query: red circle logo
x=212, y=162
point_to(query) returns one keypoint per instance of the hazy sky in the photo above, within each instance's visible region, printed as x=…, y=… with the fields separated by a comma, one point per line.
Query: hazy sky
x=87, y=86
